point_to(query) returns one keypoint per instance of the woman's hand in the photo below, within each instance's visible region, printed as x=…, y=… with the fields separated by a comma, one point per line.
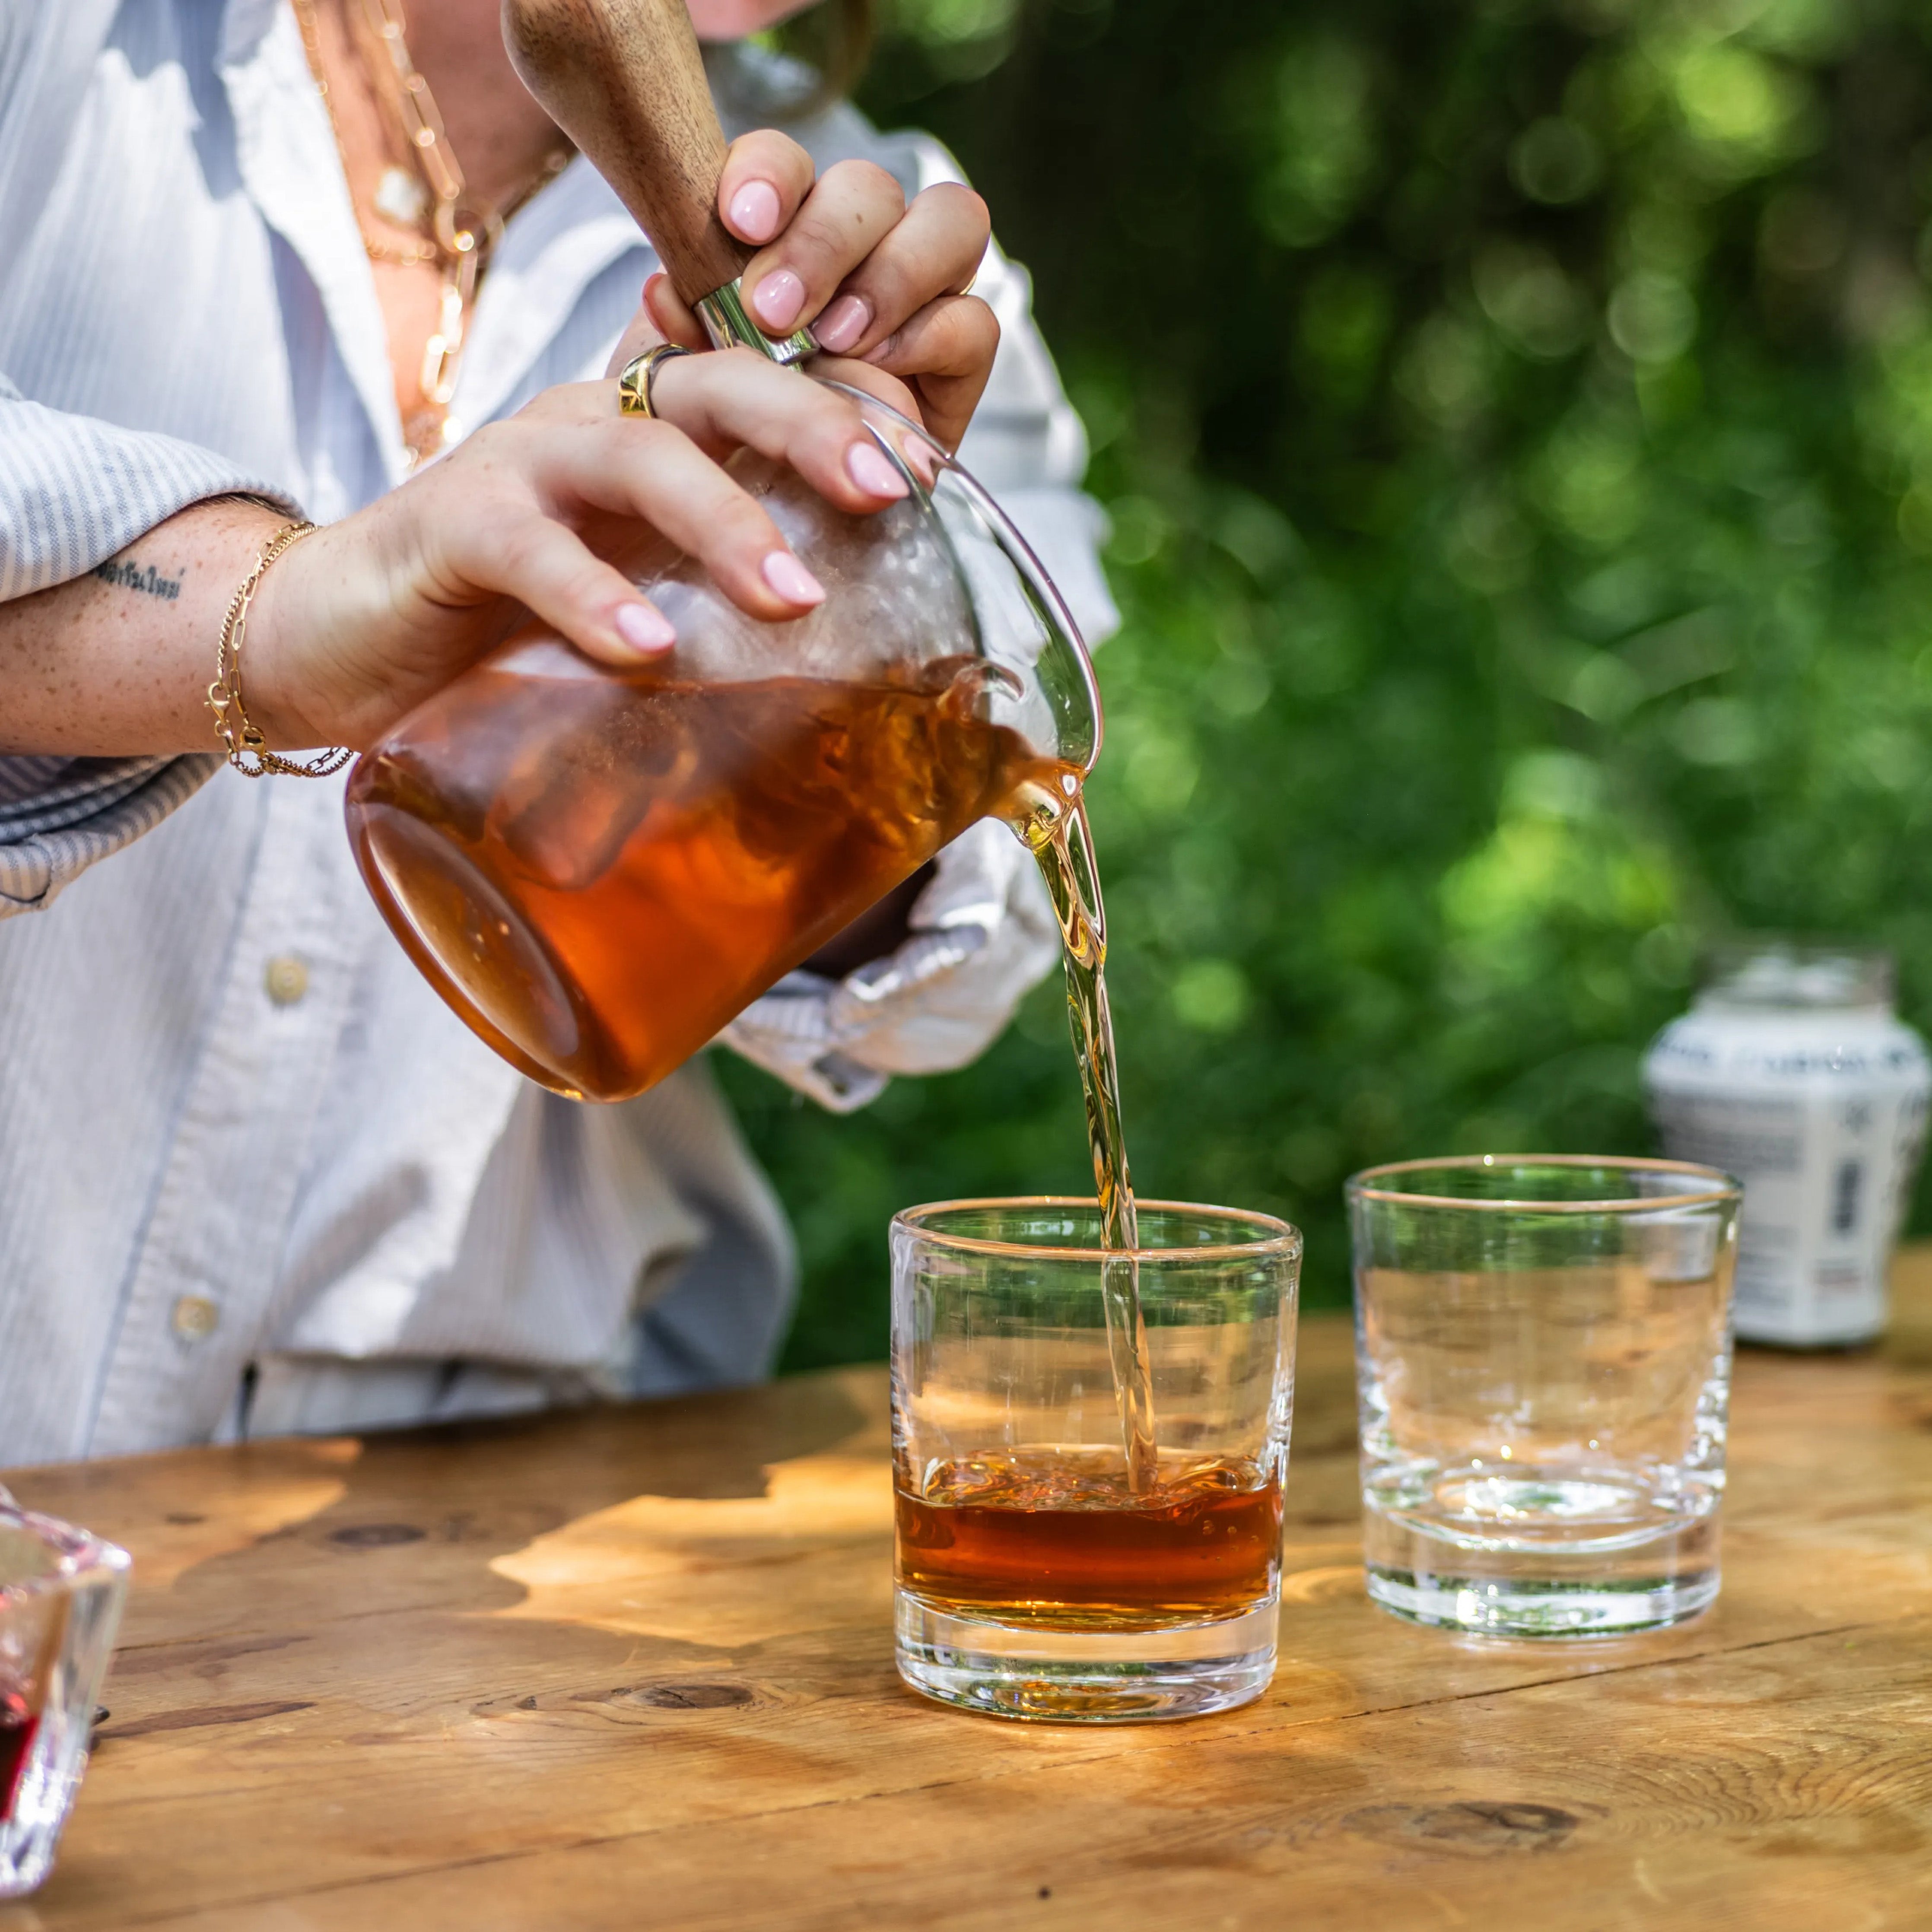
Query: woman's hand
x=880, y=281
x=358, y=624
x=363, y=619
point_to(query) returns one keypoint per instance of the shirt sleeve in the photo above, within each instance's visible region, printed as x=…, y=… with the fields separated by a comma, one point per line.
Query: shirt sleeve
x=73, y=491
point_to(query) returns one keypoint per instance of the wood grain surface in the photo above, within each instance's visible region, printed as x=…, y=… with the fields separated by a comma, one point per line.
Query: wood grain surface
x=632, y=1668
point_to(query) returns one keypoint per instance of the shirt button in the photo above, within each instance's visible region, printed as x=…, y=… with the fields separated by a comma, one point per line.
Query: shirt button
x=194, y=1318
x=286, y=978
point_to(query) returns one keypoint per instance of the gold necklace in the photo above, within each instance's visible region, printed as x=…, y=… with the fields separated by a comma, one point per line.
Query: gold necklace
x=461, y=237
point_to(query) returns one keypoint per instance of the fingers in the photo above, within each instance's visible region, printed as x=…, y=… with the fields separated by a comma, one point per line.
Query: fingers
x=652, y=470
x=874, y=382
x=936, y=250
x=643, y=332
x=514, y=538
x=547, y=568
x=666, y=307
x=767, y=177
x=736, y=397
x=841, y=221
x=569, y=459
x=945, y=352
x=729, y=398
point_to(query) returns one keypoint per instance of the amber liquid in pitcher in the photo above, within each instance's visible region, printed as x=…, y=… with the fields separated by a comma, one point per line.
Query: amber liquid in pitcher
x=603, y=870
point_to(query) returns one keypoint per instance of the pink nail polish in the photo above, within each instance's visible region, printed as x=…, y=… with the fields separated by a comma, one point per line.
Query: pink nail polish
x=791, y=580
x=843, y=323
x=754, y=211
x=777, y=300
x=646, y=631
x=868, y=467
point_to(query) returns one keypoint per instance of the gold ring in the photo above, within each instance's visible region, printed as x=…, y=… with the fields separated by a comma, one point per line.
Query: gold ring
x=634, y=384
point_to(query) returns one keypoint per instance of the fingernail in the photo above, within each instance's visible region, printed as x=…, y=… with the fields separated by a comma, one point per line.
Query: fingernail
x=777, y=300
x=644, y=629
x=843, y=323
x=791, y=580
x=754, y=211
x=865, y=464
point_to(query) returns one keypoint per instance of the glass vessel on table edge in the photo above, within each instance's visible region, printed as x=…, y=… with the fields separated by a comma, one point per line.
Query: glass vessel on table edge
x=61, y=1591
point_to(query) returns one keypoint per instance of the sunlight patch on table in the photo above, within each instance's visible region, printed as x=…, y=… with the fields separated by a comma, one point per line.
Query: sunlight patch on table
x=651, y=1567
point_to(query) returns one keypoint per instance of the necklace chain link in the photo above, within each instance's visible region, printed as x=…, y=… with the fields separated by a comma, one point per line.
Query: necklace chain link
x=461, y=237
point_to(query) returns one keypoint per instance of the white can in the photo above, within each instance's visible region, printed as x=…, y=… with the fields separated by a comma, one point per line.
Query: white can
x=1791, y=1072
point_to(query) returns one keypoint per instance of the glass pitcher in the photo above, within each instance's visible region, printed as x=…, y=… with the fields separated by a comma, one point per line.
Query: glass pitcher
x=598, y=869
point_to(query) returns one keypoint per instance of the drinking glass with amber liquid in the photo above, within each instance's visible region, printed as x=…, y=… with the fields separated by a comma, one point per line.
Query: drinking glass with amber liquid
x=1043, y=1570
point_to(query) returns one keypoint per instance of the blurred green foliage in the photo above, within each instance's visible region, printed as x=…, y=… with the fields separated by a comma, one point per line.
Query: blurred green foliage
x=1515, y=417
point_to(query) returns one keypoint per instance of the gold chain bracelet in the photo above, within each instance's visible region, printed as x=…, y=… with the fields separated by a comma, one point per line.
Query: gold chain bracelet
x=241, y=739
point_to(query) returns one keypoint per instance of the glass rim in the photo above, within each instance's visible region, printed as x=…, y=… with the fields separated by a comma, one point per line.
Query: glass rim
x=1360, y=1187
x=1285, y=1239
x=82, y=1554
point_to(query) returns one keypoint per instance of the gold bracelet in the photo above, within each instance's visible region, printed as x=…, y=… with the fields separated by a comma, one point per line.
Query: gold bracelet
x=240, y=737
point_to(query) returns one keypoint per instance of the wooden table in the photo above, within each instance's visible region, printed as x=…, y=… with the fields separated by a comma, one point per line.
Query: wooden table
x=632, y=1668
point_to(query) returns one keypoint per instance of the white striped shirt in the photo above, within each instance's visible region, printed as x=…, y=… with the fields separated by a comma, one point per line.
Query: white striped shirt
x=252, y=1173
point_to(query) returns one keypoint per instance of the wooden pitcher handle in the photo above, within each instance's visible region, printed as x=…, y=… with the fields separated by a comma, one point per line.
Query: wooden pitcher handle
x=624, y=80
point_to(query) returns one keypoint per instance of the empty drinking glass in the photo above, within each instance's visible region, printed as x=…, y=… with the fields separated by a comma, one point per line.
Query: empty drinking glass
x=1544, y=1372
x=61, y=1593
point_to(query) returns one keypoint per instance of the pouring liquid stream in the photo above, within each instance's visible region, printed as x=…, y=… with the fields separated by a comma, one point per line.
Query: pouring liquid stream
x=1062, y=843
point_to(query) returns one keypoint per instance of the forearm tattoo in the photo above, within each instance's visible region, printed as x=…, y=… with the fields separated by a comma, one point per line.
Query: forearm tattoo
x=132, y=574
